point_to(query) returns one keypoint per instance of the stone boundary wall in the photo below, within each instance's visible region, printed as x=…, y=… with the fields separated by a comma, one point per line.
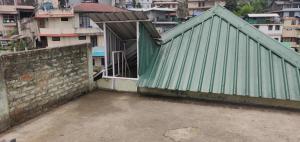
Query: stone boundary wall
x=33, y=81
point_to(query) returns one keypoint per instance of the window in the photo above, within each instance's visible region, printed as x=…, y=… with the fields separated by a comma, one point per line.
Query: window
x=84, y=22
x=8, y=18
x=200, y=4
x=270, y=27
x=276, y=39
x=102, y=61
x=55, y=38
x=291, y=14
x=64, y=19
x=42, y=23
x=94, y=41
x=256, y=26
x=82, y=37
x=277, y=27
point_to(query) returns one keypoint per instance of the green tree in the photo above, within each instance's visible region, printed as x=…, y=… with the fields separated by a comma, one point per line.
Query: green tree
x=231, y=5
x=259, y=5
x=244, y=10
x=244, y=7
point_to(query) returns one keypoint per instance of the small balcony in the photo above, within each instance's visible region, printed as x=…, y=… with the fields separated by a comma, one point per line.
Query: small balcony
x=290, y=33
x=7, y=2
x=26, y=4
x=88, y=31
x=8, y=9
x=58, y=12
x=56, y=31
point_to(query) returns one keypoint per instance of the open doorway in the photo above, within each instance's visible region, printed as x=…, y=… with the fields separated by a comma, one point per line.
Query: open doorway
x=121, y=50
x=124, y=34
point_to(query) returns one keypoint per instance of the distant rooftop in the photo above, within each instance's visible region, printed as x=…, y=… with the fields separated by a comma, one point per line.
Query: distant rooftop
x=95, y=7
x=152, y=9
x=290, y=9
x=263, y=15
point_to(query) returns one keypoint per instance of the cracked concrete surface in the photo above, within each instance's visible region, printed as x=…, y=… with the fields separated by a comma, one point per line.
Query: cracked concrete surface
x=123, y=117
x=182, y=134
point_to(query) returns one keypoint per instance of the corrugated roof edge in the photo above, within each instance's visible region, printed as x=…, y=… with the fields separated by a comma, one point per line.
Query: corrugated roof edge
x=245, y=27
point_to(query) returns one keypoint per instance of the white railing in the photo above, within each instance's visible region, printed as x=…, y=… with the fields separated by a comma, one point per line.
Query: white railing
x=120, y=65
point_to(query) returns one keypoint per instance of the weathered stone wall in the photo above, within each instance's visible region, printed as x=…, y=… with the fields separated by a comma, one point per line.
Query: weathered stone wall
x=35, y=80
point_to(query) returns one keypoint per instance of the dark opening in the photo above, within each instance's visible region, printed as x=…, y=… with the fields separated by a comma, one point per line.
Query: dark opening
x=94, y=41
x=42, y=23
x=82, y=37
x=270, y=27
x=84, y=21
x=55, y=38
x=43, y=43
x=64, y=19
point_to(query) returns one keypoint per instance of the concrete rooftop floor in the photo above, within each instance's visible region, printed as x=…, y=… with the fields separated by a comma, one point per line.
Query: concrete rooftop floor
x=124, y=117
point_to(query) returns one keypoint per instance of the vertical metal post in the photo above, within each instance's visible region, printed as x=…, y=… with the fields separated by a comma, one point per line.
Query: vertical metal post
x=105, y=46
x=137, y=46
x=124, y=49
x=113, y=63
x=119, y=53
x=123, y=64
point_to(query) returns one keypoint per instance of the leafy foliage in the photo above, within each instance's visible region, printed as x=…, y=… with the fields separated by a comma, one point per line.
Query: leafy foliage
x=242, y=8
x=231, y=5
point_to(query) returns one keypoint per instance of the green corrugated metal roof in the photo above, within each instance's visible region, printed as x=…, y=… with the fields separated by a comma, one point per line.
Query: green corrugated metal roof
x=218, y=52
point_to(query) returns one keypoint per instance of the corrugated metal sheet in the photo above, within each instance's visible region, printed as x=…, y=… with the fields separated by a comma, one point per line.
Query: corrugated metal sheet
x=218, y=52
x=148, y=51
x=124, y=23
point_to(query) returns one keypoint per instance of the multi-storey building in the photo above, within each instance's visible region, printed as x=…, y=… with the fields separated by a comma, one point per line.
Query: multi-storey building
x=279, y=5
x=12, y=12
x=166, y=4
x=133, y=3
x=289, y=10
x=64, y=25
x=270, y=24
x=163, y=18
x=291, y=32
x=196, y=7
x=108, y=2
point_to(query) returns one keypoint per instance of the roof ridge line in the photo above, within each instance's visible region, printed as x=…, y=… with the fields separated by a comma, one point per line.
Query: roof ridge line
x=243, y=27
x=260, y=37
x=183, y=26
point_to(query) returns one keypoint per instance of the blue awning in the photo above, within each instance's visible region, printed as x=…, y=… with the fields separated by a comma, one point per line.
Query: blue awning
x=98, y=52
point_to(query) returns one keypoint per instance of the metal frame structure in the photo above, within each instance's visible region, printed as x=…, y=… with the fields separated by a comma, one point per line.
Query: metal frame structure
x=122, y=65
x=126, y=25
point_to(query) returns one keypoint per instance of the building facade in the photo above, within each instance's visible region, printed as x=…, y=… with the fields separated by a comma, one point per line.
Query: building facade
x=12, y=14
x=291, y=32
x=60, y=26
x=279, y=5
x=166, y=4
x=163, y=18
x=269, y=24
x=196, y=7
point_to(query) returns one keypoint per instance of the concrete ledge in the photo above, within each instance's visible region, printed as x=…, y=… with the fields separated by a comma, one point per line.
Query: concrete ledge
x=223, y=98
x=117, y=84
